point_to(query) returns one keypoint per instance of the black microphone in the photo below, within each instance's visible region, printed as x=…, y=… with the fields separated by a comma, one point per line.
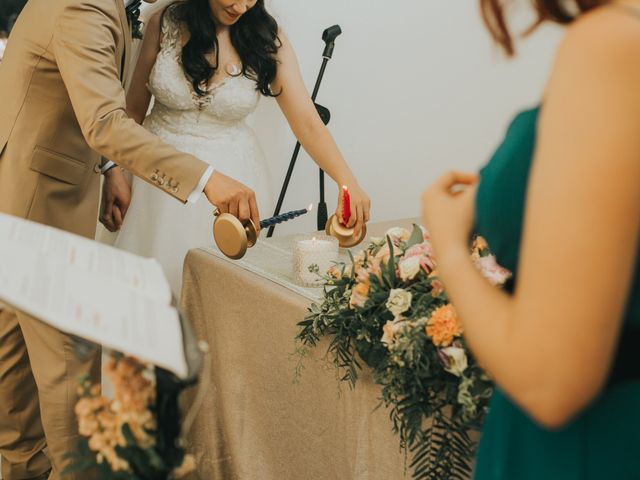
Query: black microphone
x=329, y=37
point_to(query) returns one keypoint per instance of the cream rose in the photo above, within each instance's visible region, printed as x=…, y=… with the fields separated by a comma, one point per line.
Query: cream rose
x=398, y=234
x=454, y=360
x=399, y=301
x=409, y=268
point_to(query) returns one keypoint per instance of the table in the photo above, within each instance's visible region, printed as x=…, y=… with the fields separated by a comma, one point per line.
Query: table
x=256, y=422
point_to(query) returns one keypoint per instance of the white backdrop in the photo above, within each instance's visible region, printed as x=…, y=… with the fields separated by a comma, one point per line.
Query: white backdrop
x=415, y=88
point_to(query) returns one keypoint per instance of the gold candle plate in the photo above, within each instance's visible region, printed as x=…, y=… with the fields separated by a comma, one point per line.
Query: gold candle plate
x=345, y=235
x=232, y=236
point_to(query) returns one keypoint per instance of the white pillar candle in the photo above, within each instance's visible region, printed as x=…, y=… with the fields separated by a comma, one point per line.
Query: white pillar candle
x=319, y=250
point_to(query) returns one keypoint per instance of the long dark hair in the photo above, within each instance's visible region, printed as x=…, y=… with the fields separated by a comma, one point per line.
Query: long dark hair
x=559, y=11
x=254, y=36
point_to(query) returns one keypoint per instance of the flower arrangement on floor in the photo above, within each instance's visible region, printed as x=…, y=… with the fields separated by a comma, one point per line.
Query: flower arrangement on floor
x=389, y=309
x=134, y=435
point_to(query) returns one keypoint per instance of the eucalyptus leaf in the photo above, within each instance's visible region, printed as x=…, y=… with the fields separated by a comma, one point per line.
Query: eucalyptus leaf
x=416, y=238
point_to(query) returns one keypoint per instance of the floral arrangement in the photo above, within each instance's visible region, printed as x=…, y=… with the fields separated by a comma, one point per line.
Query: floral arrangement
x=133, y=436
x=389, y=309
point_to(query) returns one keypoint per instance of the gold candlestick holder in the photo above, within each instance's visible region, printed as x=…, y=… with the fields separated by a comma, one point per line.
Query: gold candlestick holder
x=346, y=236
x=232, y=236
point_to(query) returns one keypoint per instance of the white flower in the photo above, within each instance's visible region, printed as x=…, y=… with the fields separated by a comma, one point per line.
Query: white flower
x=398, y=234
x=454, y=360
x=409, y=268
x=378, y=241
x=390, y=329
x=399, y=301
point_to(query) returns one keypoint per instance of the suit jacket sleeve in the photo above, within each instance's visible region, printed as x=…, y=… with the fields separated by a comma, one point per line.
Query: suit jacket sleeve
x=84, y=45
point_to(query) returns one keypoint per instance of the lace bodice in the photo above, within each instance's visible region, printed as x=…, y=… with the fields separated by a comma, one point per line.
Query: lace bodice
x=211, y=128
x=227, y=102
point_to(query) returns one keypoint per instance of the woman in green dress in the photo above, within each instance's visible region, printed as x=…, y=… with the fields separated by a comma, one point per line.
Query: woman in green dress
x=559, y=204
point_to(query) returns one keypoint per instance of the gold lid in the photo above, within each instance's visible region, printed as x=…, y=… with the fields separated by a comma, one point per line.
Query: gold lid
x=230, y=236
x=345, y=235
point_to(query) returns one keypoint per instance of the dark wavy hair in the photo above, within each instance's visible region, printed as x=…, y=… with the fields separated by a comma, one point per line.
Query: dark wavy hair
x=254, y=36
x=559, y=11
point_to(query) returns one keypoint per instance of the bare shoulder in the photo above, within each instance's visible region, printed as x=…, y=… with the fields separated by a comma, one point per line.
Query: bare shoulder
x=600, y=53
x=605, y=34
x=156, y=21
x=283, y=38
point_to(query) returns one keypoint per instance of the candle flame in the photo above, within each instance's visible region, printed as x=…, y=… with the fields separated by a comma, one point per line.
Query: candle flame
x=345, y=188
x=310, y=207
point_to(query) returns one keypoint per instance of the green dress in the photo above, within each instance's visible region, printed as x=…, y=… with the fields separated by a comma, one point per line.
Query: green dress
x=604, y=441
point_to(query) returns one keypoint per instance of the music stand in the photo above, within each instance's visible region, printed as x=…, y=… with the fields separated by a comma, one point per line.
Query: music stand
x=328, y=36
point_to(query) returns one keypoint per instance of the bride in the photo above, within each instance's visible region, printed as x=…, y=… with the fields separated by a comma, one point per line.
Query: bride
x=206, y=63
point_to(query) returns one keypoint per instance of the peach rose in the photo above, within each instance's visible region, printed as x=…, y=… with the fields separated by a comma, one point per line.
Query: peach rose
x=334, y=272
x=360, y=295
x=437, y=287
x=390, y=329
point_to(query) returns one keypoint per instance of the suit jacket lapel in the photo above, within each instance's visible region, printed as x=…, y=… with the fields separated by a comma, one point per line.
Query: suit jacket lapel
x=124, y=66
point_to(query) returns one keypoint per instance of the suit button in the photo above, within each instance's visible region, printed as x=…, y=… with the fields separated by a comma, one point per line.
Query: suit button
x=175, y=190
x=161, y=181
x=96, y=168
x=154, y=177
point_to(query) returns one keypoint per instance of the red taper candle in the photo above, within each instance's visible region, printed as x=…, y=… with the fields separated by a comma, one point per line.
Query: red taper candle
x=346, y=205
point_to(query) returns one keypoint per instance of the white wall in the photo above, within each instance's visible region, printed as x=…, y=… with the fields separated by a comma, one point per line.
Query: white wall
x=415, y=88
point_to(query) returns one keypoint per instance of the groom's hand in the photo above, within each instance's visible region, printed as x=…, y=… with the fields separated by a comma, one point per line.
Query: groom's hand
x=231, y=196
x=116, y=198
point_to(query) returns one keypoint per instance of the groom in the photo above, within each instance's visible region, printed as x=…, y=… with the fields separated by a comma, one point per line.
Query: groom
x=63, y=109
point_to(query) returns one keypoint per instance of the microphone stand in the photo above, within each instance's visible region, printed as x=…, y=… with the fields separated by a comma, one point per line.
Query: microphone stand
x=328, y=36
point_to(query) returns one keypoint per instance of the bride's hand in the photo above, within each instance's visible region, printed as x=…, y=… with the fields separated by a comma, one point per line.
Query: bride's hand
x=116, y=198
x=360, y=207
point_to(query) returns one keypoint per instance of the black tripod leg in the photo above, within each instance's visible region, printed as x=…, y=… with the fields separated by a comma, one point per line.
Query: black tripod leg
x=322, y=206
x=325, y=115
x=285, y=186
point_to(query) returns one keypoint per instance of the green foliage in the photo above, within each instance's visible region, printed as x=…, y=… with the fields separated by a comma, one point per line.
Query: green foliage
x=432, y=410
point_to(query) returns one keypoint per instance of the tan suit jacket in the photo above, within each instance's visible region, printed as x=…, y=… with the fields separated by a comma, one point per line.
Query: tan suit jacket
x=62, y=107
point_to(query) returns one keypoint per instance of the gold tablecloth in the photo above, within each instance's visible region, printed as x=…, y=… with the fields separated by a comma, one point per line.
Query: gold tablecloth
x=256, y=423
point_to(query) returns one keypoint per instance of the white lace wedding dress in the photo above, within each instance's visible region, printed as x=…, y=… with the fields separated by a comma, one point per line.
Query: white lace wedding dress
x=213, y=128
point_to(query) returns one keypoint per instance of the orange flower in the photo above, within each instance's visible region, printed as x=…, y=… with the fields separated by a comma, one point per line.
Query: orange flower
x=101, y=420
x=443, y=326
x=360, y=294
